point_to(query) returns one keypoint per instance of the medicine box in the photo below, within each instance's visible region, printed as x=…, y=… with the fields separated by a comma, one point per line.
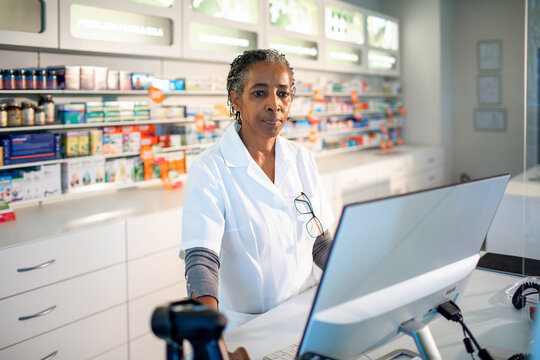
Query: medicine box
x=87, y=78
x=23, y=148
x=96, y=141
x=112, y=140
x=5, y=188
x=70, y=143
x=100, y=78
x=51, y=180
x=84, y=143
x=71, y=175
x=131, y=138
x=71, y=113
x=94, y=111
x=111, y=111
x=113, y=80
x=67, y=76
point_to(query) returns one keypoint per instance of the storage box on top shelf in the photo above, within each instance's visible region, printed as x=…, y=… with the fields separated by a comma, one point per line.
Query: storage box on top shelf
x=125, y=80
x=113, y=80
x=67, y=76
x=100, y=78
x=23, y=148
x=87, y=77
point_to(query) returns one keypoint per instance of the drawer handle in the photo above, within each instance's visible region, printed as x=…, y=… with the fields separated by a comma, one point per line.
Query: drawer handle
x=40, y=266
x=41, y=313
x=50, y=356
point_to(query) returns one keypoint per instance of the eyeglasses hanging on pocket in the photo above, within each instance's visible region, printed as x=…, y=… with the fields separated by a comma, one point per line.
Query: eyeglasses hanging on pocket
x=303, y=206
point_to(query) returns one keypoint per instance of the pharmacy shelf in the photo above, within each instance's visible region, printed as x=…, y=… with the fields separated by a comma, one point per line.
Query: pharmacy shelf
x=90, y=190
x=344, y=150
x=95, y=125
x=336, y=113
x=338, y=132
x=348, y=94
x=112, y=92
x=109, y=156
x=360, y=95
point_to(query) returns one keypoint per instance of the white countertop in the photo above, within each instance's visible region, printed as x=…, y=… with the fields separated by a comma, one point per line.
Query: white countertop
x=486, y=309
x=46, y=220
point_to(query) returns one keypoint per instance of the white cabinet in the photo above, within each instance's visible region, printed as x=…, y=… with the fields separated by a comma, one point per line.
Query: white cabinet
x=154, y=232
x=83, y=339
x=141, y=310
x=49, y=307
x=147, y=347
x=155, y=277
x=47, y=261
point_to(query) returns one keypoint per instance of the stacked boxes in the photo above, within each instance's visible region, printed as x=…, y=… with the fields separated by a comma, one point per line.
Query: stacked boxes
x=30, y=183
x=23, y=148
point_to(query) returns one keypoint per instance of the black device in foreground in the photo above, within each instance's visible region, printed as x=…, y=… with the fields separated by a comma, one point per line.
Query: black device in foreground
x=189, y=320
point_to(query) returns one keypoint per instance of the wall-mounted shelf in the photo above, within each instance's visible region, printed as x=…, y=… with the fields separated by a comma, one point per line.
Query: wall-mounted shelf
x=111, y=92
x=329, y=133
x=108, y=156
x=348, y=94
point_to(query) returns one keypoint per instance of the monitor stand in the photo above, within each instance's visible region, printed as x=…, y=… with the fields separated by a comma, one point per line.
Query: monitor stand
x=422, y=337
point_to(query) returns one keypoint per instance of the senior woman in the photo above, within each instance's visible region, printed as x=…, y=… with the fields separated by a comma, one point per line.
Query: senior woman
x=255, y=214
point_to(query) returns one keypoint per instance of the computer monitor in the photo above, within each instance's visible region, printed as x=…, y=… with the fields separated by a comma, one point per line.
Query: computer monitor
x=396, y=259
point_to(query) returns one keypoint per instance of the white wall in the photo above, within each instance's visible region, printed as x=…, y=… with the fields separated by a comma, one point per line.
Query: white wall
x=481, y=153
x=439, y=74
x=420, y=41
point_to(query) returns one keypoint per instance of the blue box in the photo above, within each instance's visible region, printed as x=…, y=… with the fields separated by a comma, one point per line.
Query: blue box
x=23, y=148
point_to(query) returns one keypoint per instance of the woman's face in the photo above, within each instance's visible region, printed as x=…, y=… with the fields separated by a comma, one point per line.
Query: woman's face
x=265, y=101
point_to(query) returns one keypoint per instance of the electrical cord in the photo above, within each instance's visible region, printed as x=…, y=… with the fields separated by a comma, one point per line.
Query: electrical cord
x=519, y=299
x=452, y=312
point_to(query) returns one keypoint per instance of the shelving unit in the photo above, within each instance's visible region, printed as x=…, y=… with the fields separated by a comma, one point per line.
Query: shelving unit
x=116, y=94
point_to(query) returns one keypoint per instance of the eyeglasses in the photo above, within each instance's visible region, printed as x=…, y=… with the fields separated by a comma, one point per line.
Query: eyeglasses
x=303, y=206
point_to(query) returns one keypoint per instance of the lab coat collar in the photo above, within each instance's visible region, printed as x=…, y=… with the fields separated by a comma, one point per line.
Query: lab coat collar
x=235, y=154
x=233, y=149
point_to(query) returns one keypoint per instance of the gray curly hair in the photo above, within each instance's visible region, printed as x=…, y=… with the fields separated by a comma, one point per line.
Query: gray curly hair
x=239, y=67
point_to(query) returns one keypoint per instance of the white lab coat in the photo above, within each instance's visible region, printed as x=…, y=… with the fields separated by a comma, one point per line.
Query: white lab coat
x=232, y=208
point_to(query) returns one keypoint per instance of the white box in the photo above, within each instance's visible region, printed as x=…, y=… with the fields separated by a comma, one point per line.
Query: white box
x=51, y=180
x=71, y=176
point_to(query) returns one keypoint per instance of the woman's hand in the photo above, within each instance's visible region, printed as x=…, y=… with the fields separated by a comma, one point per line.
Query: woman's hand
x=239, y=354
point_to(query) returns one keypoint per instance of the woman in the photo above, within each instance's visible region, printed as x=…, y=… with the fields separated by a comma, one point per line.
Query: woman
x=254, y=213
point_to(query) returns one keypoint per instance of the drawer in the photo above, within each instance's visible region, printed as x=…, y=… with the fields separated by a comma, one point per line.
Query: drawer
x=427, y=158
x=151, y=233
x=425, y=179
x=82, y=339
x=60, y=258
x=72, y=300
x=359, y=176
x=154, y=272
x=141, y=310
x=147, y=347
x=118, y=353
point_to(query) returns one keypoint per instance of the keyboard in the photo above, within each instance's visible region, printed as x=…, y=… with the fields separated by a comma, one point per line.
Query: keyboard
x=287, y=353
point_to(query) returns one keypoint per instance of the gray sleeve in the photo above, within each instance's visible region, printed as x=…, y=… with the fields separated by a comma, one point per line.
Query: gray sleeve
x=321, y=249
x=202, y=272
